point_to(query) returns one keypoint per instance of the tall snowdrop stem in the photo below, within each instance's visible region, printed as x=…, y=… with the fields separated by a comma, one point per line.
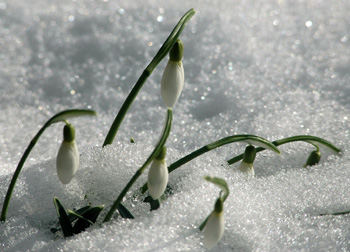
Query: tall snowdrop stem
x=163, y=51
x=154, y=154
x=60, y=117
x=250, y=139
x=316, y=141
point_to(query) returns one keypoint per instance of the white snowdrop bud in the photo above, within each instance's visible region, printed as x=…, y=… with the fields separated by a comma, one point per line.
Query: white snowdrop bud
x=173, y=76
x=67, y=161
x=158, y=176
x=247, y=168
x=246, y=165
x=215, y=225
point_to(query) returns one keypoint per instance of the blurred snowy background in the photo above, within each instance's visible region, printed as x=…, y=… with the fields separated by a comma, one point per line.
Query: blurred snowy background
x=272, y=68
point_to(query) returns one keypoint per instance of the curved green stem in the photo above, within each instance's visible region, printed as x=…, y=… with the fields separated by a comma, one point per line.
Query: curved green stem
x=163, y=51
x=60, y=117
x=138, y=173
x=316, y=141
x=250, y=139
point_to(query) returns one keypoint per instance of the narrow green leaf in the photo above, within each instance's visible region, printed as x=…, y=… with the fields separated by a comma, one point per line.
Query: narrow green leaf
x=124, y=212
x=63, y=218
x=80, y=211
x=87, y=219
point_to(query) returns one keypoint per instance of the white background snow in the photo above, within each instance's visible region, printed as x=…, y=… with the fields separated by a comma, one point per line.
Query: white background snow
x=270, y=68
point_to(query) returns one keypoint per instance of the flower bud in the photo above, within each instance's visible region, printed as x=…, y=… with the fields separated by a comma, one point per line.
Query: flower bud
x=158, y=176
x=173, y=76
x=67, y=161
x=246, y=165
x=214, y=228
x=313, y=159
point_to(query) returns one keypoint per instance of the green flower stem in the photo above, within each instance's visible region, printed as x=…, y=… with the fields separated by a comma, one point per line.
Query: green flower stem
x=316, y=141
x=250, y=139
x=60, y=117
x=138, y=173
x=163, y=51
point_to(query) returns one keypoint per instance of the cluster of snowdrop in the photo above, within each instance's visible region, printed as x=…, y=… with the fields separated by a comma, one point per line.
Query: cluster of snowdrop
x=172, y=83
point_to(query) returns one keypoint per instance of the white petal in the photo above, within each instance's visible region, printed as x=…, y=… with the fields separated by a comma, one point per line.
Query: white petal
x=157, y=178
x=213, y=229
x=67, y=161
x=172, y=82
x=247, y=168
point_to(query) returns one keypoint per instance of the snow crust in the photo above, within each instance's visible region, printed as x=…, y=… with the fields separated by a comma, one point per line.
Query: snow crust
x=270, y=68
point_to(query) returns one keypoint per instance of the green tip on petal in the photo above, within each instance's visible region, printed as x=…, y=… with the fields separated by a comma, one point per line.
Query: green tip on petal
x=177, y=51
x=68, y=133
x=249, y=154
x=162, y=154
x=313, y=159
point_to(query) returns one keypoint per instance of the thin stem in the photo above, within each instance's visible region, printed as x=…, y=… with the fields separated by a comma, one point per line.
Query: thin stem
x=316, y=141
x=251, y=139
x=60, y=117
x=138, y=173
x=163, y=51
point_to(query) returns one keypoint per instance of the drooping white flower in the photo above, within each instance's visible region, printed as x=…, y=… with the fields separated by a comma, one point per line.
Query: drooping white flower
x=173, y=76
x=247, y=168
x=158, y=176
x=246, y=165
x=215, y=226
x=67, y=161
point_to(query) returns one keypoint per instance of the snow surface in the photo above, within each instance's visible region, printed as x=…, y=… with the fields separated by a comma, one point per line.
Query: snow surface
x=270, y=68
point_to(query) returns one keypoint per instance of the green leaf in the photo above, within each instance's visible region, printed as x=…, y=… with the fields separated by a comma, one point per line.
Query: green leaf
x=63, y=218
x=124, y=212
x=87, y=219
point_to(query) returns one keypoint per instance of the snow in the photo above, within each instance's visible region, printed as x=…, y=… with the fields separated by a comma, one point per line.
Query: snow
x=273, y=69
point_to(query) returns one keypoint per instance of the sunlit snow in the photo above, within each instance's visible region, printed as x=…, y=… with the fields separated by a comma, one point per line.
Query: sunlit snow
x=269, y=68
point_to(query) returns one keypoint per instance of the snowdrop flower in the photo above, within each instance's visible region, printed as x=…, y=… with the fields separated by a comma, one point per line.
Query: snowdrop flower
x=214, y=227
x=173, y=76
x=246, y=165
x=158, y=176
x=67, y=161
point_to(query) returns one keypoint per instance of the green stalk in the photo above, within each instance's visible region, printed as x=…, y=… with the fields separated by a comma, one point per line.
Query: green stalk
x=138, y=173
x=163, y=51
x=316, y=141
x=60, y=117
x=250, y=139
